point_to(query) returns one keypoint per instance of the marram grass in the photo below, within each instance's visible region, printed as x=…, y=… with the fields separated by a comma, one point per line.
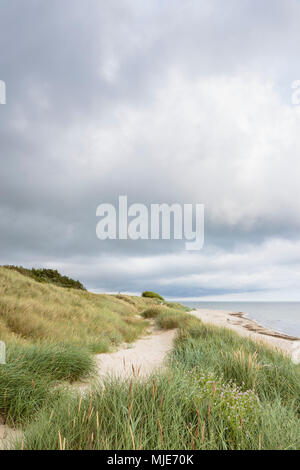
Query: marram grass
x=220, y=391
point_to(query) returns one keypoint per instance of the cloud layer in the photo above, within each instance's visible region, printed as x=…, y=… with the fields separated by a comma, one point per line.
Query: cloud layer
x=185, y=102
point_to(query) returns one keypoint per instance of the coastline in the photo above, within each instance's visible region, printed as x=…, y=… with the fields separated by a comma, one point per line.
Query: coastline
x=240, y=323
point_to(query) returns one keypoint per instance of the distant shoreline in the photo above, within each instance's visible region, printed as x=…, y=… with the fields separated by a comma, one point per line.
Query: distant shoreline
x=238, y=322
x=254, y=325
x=280, y=317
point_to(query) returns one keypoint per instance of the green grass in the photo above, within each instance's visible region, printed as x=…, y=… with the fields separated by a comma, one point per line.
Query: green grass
x=176, y=411
x=167, y=316
x=61, y=362
x=51, y=334
x=29, y=379
x=262, y=369
x=220, y=391
x=31, y=312
x=171, y=318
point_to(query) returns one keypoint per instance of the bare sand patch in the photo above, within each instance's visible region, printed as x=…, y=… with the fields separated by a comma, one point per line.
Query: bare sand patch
x=140, y=359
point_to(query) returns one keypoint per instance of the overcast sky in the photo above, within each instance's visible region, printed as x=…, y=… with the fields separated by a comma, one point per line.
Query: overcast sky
x=184, y=101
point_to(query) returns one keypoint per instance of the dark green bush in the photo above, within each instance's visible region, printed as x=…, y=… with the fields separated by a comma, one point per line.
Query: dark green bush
x=48, y=275
x=152, y=295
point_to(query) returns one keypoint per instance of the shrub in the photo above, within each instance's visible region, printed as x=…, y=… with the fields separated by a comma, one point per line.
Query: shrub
x=152, y=295
x=48, y=275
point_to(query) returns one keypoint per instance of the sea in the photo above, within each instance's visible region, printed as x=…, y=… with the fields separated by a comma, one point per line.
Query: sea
x=283, y=317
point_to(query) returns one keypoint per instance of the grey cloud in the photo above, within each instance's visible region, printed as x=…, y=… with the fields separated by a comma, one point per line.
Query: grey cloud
x=96, y=109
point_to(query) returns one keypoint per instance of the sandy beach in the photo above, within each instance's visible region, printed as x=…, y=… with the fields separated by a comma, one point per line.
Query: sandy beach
x=236, y=321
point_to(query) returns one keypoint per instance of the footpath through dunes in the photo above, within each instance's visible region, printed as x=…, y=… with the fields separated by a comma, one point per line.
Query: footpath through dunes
x=139, y=359
x=244, y=326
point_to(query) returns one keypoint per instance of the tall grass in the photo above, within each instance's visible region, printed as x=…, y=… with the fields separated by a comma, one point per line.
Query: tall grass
x=31, y=312
x=28, y=381
x=268, y=372
x=50, y=334
x=167, y=316
x=173, y=411
x=220, y=392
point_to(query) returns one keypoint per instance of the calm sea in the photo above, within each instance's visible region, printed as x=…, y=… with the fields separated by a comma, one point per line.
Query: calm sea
x=283, y=317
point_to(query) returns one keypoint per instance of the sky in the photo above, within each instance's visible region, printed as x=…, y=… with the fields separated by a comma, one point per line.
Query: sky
x=165, y=101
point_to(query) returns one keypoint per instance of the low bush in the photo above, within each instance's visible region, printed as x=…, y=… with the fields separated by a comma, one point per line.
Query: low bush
x=152, y=295
x=51, y=276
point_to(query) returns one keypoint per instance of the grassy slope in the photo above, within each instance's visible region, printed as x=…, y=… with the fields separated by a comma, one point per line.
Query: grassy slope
x=50, y=333
x=221, y=391
x=31, y=312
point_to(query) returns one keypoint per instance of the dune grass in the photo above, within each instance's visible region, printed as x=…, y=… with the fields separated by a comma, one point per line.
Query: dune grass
x=29, y=379
x=51, y=334
x=167, y=316
x=221, y=392
x=269, y=373
x=32, y=312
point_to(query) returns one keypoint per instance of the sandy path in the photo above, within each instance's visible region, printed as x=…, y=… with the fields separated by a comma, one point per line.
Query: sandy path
x=249, y=328
x=140, y=359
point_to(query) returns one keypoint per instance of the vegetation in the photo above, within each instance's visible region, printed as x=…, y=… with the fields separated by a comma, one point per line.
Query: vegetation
x=31, y=313
x=152, y=295
x=48, y=275
x=220, y=391
x=50, y=335
x=28, y=380
x=193, y=405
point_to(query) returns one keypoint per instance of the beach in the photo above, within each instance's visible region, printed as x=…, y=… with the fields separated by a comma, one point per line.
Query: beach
x=238, y=322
